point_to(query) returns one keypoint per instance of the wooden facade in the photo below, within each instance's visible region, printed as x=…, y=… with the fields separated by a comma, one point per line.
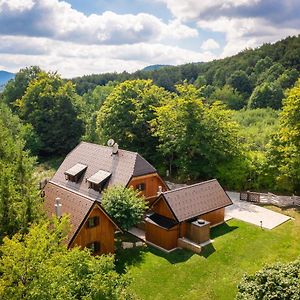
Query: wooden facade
x=215, y=217
x=164, y=238
x=151, y=184
x=168, y=238
x=160, y=207
x=103, y=232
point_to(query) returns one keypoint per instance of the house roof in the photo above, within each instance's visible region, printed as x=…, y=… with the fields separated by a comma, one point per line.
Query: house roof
x=73, y=204
x=122, y=166
x=197, y=199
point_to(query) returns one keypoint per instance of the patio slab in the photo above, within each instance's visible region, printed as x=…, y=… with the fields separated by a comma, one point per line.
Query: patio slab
x=252, y=213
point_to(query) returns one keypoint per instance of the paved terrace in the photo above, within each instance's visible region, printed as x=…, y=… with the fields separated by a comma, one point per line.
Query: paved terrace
x=253, y=214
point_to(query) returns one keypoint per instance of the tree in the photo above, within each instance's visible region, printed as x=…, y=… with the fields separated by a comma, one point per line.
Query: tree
x=15, y=88
x=126, y=113
x=288, y=78
x=48, y=105
x=194, y=138
x=266, y=95
x=229, y=96
x=39, y=266
x=19, y=198
x=280, y=281
x=125, y=205
x=285, y=149
x=89, y=107
x=240, y=81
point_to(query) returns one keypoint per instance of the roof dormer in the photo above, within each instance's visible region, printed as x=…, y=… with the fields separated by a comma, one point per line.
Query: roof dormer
x=98, y=180
x=73, y=174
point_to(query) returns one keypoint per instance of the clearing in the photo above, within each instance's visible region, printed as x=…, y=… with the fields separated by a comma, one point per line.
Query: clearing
x=238, y=248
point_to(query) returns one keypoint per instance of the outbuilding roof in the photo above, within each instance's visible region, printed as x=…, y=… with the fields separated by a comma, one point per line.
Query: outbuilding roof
x=122, y=166
x=197, y=199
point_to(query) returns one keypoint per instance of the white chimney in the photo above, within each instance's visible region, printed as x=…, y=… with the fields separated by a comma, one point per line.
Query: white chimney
x=159, y=190
x=115, y=148
x=58, y=206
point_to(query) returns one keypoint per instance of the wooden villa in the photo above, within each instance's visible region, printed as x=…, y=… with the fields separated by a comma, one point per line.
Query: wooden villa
x=176, y=217
x=77, y=186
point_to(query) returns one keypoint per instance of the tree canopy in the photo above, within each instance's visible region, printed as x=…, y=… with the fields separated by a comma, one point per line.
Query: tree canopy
x=126, y=113
x=126, y=205
x=19, y=196
x=280, y=281
x=193, y=137
x=39, y=266
x=48, y=105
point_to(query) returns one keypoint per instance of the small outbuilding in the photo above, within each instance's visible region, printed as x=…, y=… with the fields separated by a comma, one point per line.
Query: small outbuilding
x=186, y=212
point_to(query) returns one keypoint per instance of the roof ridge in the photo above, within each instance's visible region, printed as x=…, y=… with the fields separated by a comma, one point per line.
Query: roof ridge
x=104, y=146
x=188, y=186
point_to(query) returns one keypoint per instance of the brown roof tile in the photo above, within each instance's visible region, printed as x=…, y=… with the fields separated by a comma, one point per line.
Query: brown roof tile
x=197, y=199
x=73, y=204
x=122, y=166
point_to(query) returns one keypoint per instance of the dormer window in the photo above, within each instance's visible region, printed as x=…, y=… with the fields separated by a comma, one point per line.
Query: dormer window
x=73, y=174
x=98, y=180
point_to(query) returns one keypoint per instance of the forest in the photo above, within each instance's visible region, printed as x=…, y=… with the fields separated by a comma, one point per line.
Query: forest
x=235, y=119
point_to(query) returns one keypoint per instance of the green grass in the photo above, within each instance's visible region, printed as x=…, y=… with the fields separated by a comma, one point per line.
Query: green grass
x=238, y=248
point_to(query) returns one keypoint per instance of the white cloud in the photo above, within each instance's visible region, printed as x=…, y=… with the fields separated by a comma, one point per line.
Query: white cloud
x=246, y=32
x=210, y=44
x=58, y=20
x=71, y=59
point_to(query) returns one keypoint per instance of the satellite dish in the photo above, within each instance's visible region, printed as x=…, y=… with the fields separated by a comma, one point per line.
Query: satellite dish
x=115, y=148
x=110, y=142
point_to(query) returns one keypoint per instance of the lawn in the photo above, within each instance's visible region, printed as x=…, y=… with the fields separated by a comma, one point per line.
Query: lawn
x=238, y=248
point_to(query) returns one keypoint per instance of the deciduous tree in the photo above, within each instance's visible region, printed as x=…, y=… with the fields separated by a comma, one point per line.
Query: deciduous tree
x=126, y=205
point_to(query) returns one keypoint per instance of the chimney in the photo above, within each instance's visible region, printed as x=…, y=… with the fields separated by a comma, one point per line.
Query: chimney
x=159, y=190
x=58, y=206
x=115, y=148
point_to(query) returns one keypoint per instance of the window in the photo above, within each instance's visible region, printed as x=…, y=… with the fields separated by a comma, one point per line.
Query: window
x=141, y=186
x=92, y=222
x=94, y=247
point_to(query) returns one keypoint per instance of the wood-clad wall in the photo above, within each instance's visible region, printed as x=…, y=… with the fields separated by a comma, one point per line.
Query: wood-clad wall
x=214, y=217
x=159, y=236
x=152, y=182
x=161, y=208
x=104, y=233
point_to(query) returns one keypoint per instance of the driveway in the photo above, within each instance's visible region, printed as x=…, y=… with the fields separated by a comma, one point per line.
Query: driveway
x=253, y=214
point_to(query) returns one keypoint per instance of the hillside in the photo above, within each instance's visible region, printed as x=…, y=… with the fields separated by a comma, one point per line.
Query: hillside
x=154, y=67
x=215, y=73
x=5, y=77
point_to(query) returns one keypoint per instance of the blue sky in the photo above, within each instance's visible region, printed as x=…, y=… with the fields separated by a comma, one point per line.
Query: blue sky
x=93, y=36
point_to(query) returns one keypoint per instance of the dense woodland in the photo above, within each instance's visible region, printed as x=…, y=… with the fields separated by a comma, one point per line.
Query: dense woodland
x=235, y=119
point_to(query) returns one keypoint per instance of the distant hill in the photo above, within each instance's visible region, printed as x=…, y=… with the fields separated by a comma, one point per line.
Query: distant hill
x=5, y=77
x=154, y=67
x=283, y=55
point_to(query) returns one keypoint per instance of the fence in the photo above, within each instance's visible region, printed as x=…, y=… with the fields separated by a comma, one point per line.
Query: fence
x=270, y=198
x=250, y=196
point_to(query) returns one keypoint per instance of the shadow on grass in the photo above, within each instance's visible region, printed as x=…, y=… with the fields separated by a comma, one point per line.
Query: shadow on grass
x=174, y=257
x=129, y=257
x=208, y=250
x=221, y=230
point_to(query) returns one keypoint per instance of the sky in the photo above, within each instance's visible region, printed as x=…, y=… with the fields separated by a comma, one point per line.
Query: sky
x=80, y=37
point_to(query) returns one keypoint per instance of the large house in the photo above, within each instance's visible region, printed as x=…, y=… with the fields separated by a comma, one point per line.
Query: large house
x=175, y=215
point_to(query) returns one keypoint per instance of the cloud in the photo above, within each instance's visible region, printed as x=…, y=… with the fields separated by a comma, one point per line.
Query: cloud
x=210, y=44
x=71, y=59
x=59, y=21
x=245, y=23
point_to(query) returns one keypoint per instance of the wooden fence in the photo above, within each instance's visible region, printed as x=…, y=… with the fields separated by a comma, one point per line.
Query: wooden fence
x=250, y=196
x=270, y=198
